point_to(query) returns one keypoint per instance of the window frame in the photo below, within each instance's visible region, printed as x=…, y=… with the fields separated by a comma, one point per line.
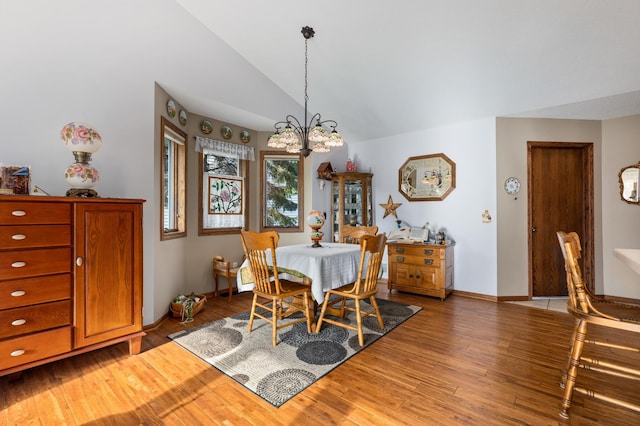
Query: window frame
x=264, y=157
x=179, y=189
x=202, y=203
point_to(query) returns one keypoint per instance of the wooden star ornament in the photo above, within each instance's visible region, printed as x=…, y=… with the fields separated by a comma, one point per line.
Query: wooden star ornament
x=390, y=208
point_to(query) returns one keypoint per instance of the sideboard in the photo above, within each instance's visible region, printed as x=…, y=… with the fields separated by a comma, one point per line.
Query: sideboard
x=421, y=268
x=70, y=277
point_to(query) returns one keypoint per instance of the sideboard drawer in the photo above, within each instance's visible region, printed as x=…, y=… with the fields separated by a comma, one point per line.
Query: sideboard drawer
x=29, y=263
x=34, y=347
x=31, y=213
x=31, y=291
x=33, y=236
x=416, y=260
x=17, y=321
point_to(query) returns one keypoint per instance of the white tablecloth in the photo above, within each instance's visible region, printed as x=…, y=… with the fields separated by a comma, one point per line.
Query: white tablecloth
x=329, y=266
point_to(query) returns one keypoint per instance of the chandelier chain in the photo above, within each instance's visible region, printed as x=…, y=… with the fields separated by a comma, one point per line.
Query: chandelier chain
x=306, y=60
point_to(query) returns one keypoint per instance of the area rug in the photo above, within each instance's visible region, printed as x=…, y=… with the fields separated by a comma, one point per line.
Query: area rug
x=276, y=374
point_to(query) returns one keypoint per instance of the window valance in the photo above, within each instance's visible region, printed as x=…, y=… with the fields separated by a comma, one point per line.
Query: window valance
x=215, y=147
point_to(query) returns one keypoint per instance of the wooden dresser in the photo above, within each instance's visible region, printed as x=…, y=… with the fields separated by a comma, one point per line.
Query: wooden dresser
x=421, y=268
x=70, y=277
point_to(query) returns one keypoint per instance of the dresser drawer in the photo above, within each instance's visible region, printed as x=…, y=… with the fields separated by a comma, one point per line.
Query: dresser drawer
x=416, y=260
x=29, y=263
x=30, y=291
x=17, y=321
x=409, y=250
x=34, y=347
x=26, y=213
x=33, y=236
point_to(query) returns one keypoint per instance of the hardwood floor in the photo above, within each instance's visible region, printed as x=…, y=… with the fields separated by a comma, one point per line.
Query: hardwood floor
x=458, y=361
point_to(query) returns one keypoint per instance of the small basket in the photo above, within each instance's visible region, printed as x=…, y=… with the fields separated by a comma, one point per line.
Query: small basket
x=177, y=308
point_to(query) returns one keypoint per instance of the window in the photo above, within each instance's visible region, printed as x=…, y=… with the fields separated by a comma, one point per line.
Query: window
x=224, y=186
x=282, y=192
x=224, y=193
x=173, y=181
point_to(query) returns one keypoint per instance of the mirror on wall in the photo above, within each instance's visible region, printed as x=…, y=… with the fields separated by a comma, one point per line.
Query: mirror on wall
x=628, y=179
x=427, y=177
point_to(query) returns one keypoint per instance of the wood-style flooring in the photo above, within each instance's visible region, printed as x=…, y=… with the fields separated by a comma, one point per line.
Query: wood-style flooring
x=457, y=362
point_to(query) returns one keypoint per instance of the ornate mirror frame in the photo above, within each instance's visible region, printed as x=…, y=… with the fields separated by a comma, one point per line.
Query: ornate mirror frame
x=629, y=178
x=427, y=177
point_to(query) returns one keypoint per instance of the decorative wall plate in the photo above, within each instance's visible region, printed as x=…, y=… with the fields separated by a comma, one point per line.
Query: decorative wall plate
x=512, y=185
x=226, y=132
x=206, y=127
x=245, y=136
x=171, y=108
x=183, y=117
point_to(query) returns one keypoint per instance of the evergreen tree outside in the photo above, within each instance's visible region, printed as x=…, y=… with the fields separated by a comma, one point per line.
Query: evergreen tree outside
x=281, y=192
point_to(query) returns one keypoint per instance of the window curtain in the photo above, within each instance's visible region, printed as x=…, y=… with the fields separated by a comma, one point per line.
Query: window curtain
x=226, y=149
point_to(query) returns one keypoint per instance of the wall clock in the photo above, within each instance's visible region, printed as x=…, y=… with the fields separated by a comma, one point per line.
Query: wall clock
x=512, y=185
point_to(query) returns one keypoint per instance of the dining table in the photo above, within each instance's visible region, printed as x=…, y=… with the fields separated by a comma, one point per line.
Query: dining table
x=326, y=267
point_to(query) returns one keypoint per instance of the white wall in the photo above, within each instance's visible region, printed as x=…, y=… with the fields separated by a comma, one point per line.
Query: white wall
x=472, y=147
x=98, y=62
x=620, y=221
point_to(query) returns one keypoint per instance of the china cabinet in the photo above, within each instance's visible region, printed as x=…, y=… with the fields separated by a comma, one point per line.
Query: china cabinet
x=70, y=277
x=351, y=202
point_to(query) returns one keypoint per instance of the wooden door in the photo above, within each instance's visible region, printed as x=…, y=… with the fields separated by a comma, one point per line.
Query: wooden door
x=108, y=272
x=560, y=193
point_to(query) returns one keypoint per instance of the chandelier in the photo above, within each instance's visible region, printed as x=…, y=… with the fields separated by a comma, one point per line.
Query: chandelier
x=297, y=137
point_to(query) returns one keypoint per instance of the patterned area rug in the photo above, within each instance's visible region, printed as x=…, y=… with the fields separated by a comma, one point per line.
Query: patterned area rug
x=277, y=374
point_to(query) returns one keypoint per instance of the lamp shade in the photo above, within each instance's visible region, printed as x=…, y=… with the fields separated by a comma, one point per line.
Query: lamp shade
x=83, y=176
x=81, y=137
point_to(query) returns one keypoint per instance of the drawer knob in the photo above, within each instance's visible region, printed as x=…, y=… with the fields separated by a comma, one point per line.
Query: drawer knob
x=399, y=249
x=18, y=352
x=399, y=258
x=18, y=237
x=18, y=264
x=20, y=321
x=428, y=252
x=18, y=213
x=18, y=293
x=428, y=261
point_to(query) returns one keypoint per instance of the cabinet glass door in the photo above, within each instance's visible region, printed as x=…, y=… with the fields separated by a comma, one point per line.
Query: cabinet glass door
x=351, y=201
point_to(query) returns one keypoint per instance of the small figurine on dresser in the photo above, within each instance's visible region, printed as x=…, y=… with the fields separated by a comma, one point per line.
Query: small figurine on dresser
x=351, y=166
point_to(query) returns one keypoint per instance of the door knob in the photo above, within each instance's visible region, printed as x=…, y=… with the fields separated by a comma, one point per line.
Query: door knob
x=533, y=229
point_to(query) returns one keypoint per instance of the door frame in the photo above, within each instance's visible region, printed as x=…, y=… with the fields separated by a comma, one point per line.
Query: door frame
x=588, y=239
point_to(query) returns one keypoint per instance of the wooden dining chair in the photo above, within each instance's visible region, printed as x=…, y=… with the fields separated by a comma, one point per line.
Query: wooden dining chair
x=365, y=287
x=222, y=267
x=352, y=234
x=588, y=309
x=274, y=298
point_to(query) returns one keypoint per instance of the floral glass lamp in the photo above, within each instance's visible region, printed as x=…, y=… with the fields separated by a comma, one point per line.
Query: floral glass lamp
x=83, y=140
x=316, y=220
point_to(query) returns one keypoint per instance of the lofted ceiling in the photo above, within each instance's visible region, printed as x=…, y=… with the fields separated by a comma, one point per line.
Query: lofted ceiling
x=383, y=68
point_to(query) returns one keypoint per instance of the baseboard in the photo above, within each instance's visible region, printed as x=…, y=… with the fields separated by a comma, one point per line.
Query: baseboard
x=475, y=295
x=513, y=298
x=163, y=318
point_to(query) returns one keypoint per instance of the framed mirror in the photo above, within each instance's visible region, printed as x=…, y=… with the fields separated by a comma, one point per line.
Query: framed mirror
x=628, y=179
x=427, y=177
